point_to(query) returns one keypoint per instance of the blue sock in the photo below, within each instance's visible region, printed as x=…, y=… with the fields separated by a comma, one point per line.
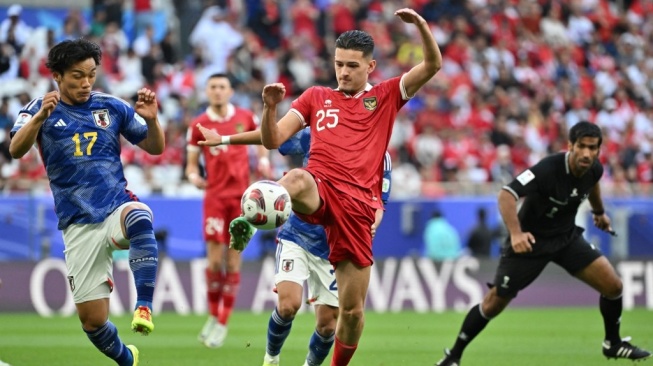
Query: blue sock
x=278, y=331
x=318, y=348
x=143, y=254
x=107, y=341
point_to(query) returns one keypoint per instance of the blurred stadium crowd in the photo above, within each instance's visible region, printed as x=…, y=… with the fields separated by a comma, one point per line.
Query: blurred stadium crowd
x=516, y=75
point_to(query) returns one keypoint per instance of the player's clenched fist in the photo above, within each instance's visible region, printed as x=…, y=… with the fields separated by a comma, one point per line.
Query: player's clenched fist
x=408, y=15
x=50, y=101
x=273, y=94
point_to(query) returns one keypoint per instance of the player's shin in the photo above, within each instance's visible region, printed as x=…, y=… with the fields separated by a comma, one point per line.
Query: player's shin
x=611, y=311
x=474, y=323
x=318, y=348
x=278, y=331
x=143, y=254
x=107, y=341
x=230, y=286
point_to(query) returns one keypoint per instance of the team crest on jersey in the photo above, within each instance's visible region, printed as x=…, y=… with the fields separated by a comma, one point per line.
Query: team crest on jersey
x=370, y=103
x=240, y=127
x=102, y=118
x=287, y=265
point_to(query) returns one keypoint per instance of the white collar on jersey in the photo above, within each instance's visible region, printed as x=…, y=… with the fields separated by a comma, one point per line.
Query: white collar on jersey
x=567, y=162
x=368, y=87
x=231, y=110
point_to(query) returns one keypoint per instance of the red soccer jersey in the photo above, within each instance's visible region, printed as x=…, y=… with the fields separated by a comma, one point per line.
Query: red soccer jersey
x=227, y=166
x=350, y=134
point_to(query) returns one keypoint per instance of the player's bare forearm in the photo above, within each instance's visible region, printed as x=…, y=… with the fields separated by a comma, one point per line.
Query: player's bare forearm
x=421, y=73
x=24, y=138
x=595, y=199
x=508, y=211
x=246, y=138
x=269, y=129
x=155, y=142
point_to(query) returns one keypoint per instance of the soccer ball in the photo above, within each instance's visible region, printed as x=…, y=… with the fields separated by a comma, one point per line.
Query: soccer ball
x=266, y=205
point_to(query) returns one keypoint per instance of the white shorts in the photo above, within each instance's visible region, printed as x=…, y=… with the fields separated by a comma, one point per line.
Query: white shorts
x=295, y=264
x=89, y=251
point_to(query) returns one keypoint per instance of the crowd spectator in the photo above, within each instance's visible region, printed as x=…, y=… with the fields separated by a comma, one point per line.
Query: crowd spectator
x=516, y=74
x=441, y=239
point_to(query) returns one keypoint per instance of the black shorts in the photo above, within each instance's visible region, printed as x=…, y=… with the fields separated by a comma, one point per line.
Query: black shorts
x=517, y=271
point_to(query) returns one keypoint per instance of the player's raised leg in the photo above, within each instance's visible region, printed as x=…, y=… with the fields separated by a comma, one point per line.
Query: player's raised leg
x=302, y=189
x=143, y=262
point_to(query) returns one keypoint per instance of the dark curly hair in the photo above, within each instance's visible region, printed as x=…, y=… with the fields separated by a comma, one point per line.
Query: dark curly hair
x=356, y=40
x=67, y=53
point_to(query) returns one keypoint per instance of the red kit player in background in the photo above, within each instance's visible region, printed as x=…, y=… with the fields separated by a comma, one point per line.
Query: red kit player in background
x=227, y=176
x=340, y=188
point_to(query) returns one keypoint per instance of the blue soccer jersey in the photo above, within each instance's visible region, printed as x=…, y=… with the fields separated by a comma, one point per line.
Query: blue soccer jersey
x=80, y=148
x=312, y=238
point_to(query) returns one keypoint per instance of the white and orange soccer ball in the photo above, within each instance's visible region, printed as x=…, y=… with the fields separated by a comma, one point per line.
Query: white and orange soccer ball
x=266, y=205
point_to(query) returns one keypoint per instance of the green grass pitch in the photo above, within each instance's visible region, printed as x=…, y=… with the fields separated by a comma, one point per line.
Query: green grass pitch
x=534, y=337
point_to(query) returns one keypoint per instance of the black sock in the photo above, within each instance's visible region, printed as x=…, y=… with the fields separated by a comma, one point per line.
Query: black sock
x=472, y=325
x=611, y=312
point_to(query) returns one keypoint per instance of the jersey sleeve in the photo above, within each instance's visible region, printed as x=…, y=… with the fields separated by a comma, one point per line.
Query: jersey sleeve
x=134, y=127
x=302, y=106
x=395, y=91
x=387, y=178
x=528, y=181
x=25, y=115
x=298, y=144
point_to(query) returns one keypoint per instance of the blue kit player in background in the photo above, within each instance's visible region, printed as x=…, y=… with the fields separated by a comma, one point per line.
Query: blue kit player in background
x=78, y=136
x=302, y=255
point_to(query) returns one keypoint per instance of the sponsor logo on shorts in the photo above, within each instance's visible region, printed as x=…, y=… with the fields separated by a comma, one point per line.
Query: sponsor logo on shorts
x=71, y=283
x=287, y=265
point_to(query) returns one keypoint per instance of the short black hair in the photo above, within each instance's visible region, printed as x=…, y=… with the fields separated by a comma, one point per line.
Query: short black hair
x=585, y=129
x=219, y=75
x=356, y=40
x=69, y=52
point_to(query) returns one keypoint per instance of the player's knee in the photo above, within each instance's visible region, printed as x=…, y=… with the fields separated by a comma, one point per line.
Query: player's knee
x=352, y=315
x=326, y=329
x=613, y=289
x=493, y=304
x=288, y=309
x=295, y=181
x=137, y=220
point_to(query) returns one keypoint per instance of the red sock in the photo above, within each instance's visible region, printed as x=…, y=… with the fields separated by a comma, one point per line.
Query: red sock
x=342, y=353
x=213, y=290
x=230, y=286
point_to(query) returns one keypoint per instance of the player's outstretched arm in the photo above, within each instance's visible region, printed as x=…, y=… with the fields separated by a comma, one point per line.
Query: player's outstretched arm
x=274, y=134
x=146, y=107
x=212, y=138
x=25, y=138
x=421, y=73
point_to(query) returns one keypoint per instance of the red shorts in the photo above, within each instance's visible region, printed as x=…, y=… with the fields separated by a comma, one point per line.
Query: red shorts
x=218, y=213
x=347, y=222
